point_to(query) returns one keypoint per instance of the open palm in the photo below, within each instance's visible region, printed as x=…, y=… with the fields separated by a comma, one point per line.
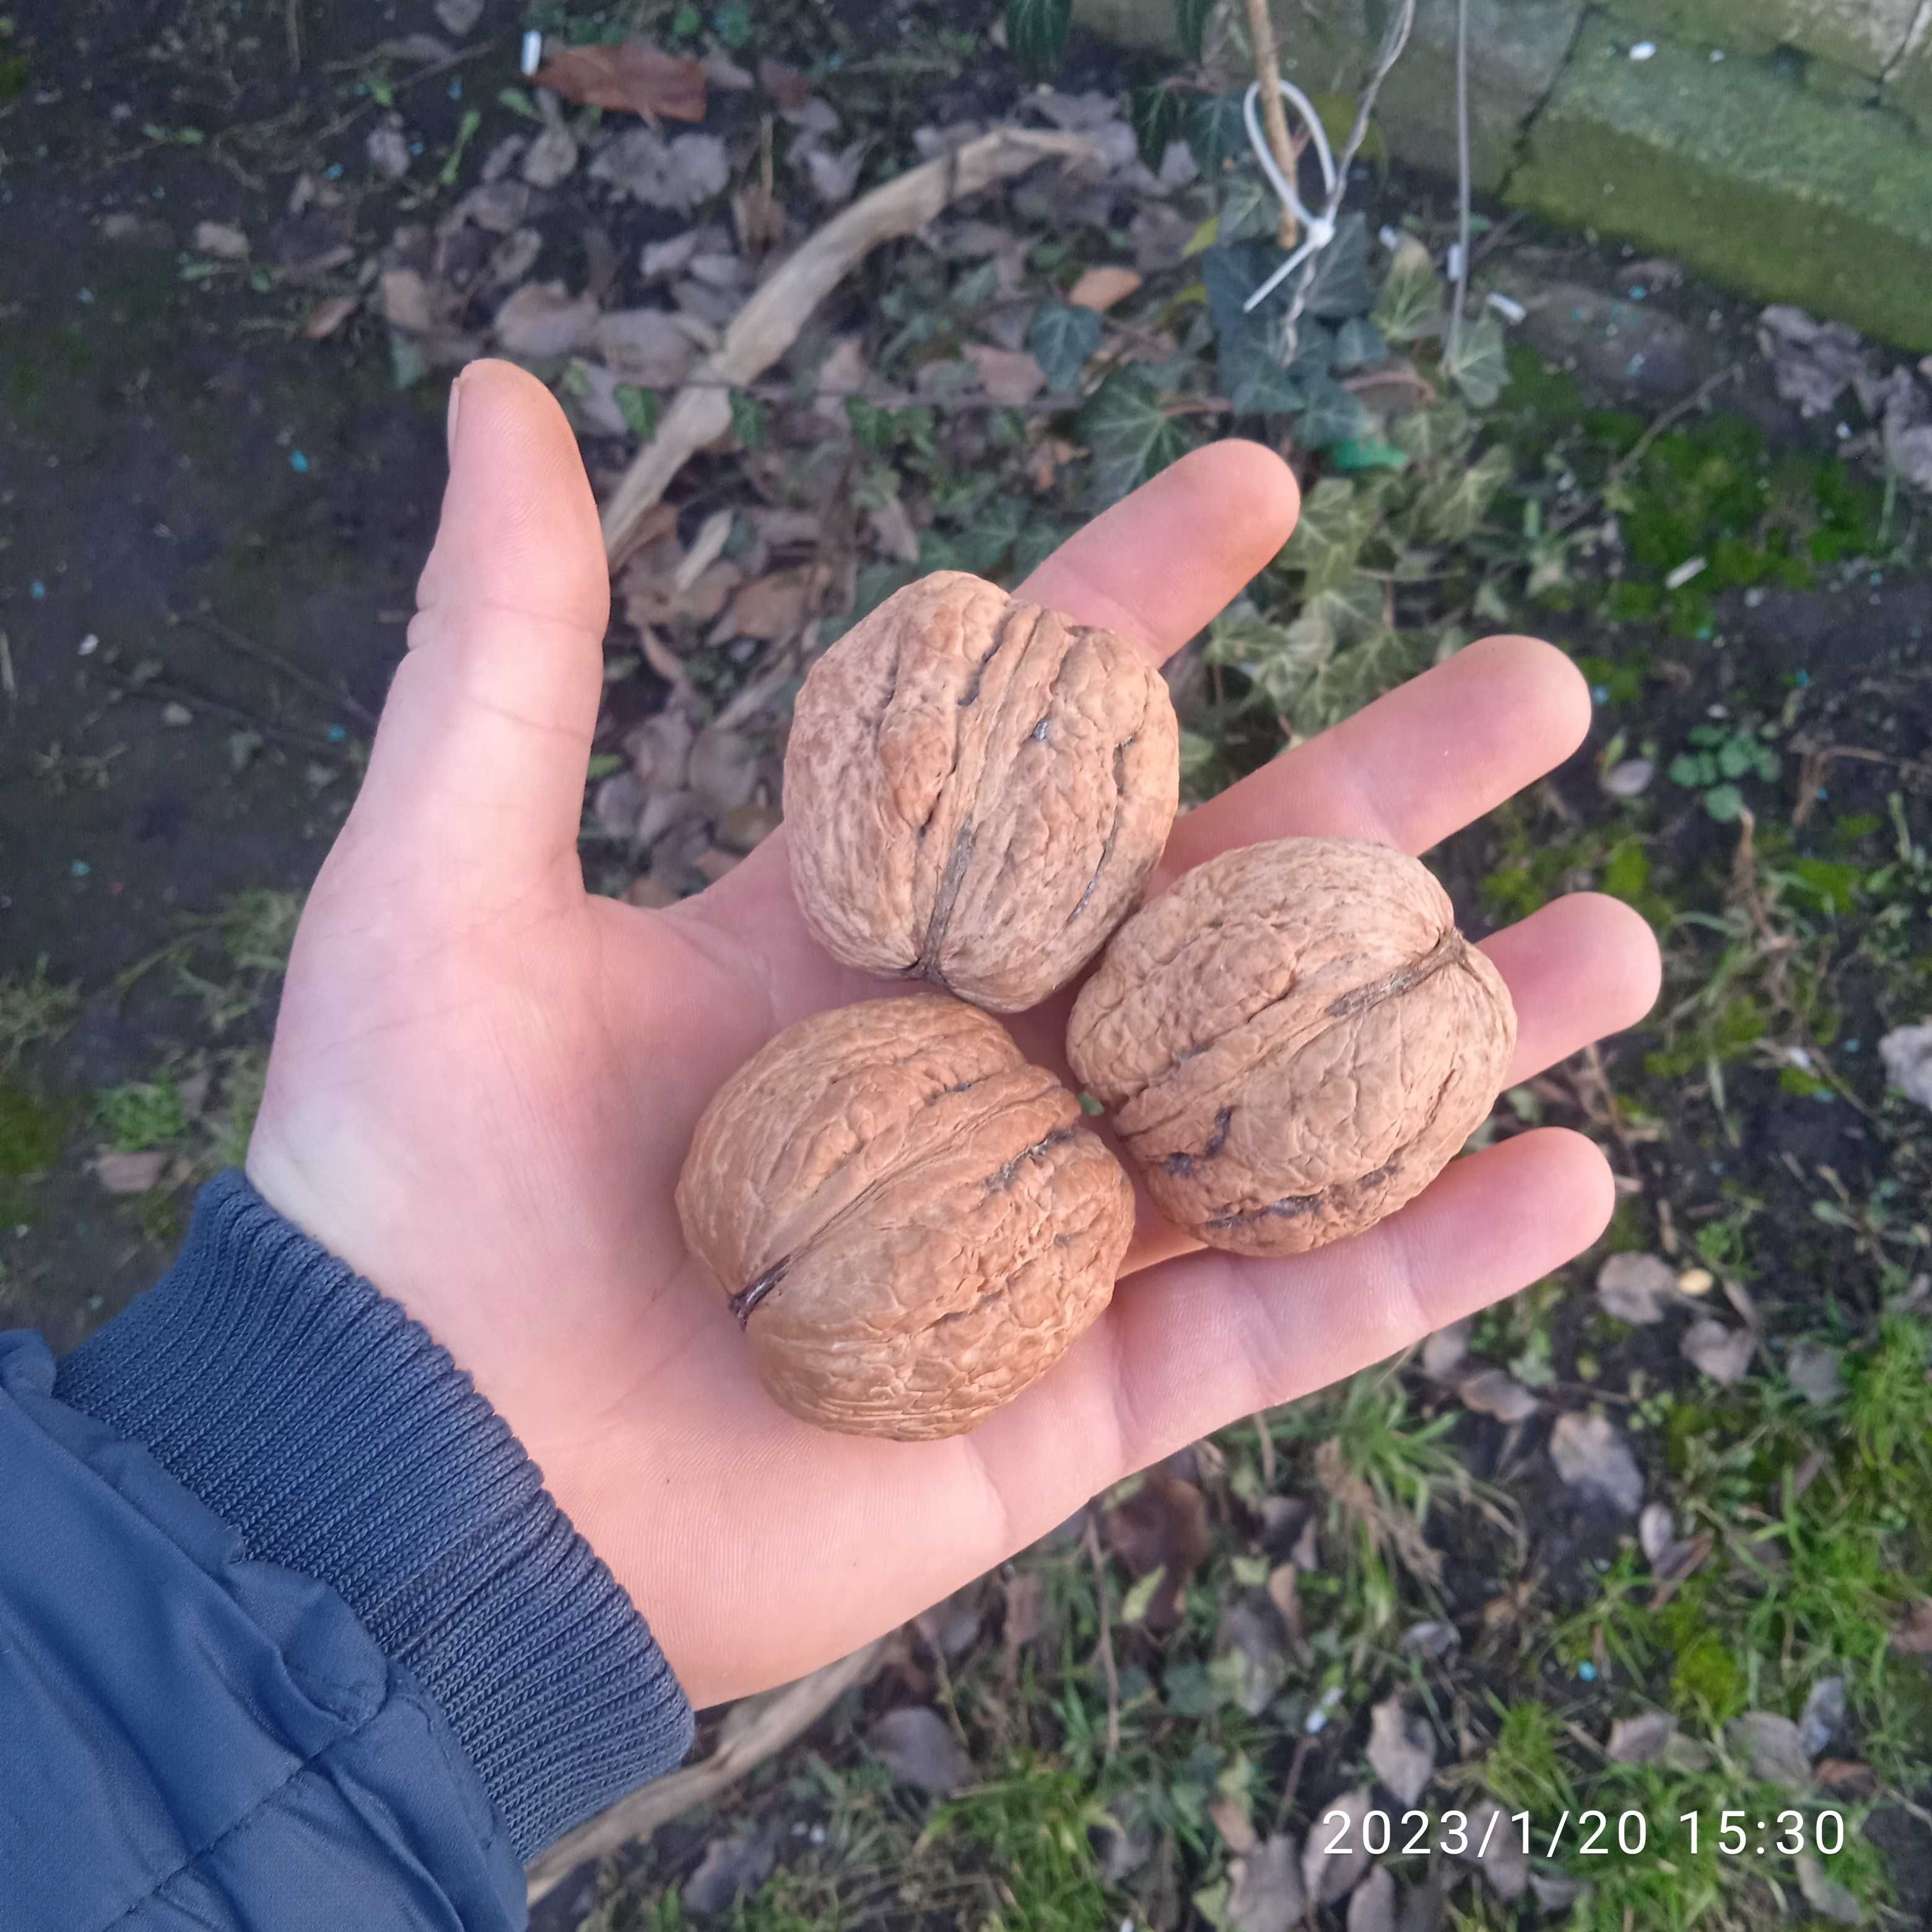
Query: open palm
x=483, y=1078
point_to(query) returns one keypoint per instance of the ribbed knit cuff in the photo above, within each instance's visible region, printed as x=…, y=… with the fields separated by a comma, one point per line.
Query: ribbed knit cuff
x=316, y=1417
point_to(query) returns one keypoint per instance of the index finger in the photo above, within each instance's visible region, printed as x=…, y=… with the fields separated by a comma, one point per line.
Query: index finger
x=1166, y=561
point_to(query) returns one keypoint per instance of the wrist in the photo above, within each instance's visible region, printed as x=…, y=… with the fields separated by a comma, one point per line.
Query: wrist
x=328, y=1427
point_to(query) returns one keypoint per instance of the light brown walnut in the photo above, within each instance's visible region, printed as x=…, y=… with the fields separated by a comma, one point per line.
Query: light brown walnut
x=911, y=1223
x=976, y=790
x=1293, y=1042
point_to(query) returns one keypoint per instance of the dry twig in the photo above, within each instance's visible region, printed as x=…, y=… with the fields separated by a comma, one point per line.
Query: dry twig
x=769, y=324
x=1274, y=116
x=1104, y=1649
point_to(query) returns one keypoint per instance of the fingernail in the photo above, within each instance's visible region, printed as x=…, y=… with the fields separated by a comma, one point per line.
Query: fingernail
x=449, y=425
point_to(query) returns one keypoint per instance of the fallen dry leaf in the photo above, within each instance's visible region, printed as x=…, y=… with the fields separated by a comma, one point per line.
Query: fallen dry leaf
x=892, y=525
x=1824, y=1712
x=1500, y=1856
x=723, y=769
x=1010, y=377
x=1846, y=1777
x=1373, y=1907
x=1639, y=1740
x=1495, y=1392
x=1912, y=1635
x=1591, y=1454
x=1771, y=1745
x=1402, y=1750
x=1813, y=1370
x=1326, y=1875
x=731, y=1868
x=634, y=77
x=1163, y=1526
x=834, y=176
x=326, y=317
x=677, y=174
x=1284, y=1593
x=651, y=893
x=1251, y=1636
x=1445, y=1352
x=744, y=830
x=1824, y=1893
x=1720, y=1352
x=1231, y=1820
x=222, y=240
x=407, y=304
x=785, y=85
x=1635, y=1289
x=645, y=346
x=551, y=157
x=540, y=320
x=1265, y=1893
x=921, y=1751
x=771, y=607
x=123, y=1173
x=1102, y=287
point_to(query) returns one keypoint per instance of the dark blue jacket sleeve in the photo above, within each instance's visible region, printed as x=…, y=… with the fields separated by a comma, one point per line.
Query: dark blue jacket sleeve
x=291, y=1636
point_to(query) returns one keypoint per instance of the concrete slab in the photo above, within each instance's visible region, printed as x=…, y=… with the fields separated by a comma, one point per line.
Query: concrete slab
x=1739, y=169
x=1865, y=35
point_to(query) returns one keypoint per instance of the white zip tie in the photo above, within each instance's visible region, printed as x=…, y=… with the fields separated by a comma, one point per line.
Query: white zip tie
x=1319, y=228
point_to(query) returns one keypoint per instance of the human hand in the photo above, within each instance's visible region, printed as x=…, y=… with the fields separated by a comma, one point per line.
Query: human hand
x=484, y=1079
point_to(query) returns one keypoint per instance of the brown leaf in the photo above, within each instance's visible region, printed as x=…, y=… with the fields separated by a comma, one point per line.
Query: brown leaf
x=914, y=1740
x=407, y=303
x=1328, y=1875
x=1496, y=1392
x=1824, y=1894
x=1231, y=1820
x=1912, y=1635
x=1026, y=1609
x=1100, y=288
x=326, y=317
x=723, y=770
x=1722, y=1352
x=1635, y=1289
x=1590, y=1453
x=1637, y=1740
x=785, y=85
x=123, y=1173
x=1373, y=1907
x=1771, y=1745
x=1402, y=1750
x=1846, y=1777
x=1162, y=1526
x=1496, y=1851
x=744, y=830
x=540, y=319
x=1265, y=1893
x=651, y=893
x=633, y=77
x=732, y=1867
x=1251, y=1638
x=1284, y=1592
x=1010, y=377
x=773, y=607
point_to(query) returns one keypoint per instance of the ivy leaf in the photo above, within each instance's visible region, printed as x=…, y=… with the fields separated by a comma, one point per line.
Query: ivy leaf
x=1258, y=385
x=1339, y=284
x=1036, y=33
x=1247, y=208
x=1155, y=113
x=1354, y=608
x=1453, y=511
x=1359, y=344
x=1216, y=132
x=1331, y=415
x=639, y=409
x=1285, y=677
x=1411, y=304
x=1190, y=25
x=1130, y=434
x=748, y=419
x=1062, y=338
x=1725, y=803
x=1336, y=517
x=1314, y=350
x=1480, y=366
x=1434, y=436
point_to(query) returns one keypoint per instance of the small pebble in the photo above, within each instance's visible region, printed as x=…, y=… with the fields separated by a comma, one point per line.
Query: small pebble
x=1599, y=694
x=1588, y=1672
x=533, y=58
x=338, y=734
x=1644, y=50
x=176, y=716
x=298, y=463
x=1695, y=1281
x=80, y=868
x=37, y=590
x=89, y=645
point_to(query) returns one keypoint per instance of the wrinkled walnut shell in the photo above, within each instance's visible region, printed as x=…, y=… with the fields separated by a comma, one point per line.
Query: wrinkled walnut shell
x=912, y=1223
x=976, y=791
x=1293, y=1042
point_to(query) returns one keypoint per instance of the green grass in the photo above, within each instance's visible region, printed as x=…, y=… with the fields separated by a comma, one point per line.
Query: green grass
x=143, y=1115
x=33, y=1010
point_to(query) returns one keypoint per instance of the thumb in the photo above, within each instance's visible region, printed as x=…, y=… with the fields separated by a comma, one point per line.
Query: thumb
x=478, y=768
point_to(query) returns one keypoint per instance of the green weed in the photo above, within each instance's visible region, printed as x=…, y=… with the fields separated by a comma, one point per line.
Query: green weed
x=33, y=1010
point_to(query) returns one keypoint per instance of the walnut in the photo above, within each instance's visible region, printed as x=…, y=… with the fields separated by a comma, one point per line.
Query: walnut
x=911, y=1222
x=976, y=790
x=1294, y=1042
